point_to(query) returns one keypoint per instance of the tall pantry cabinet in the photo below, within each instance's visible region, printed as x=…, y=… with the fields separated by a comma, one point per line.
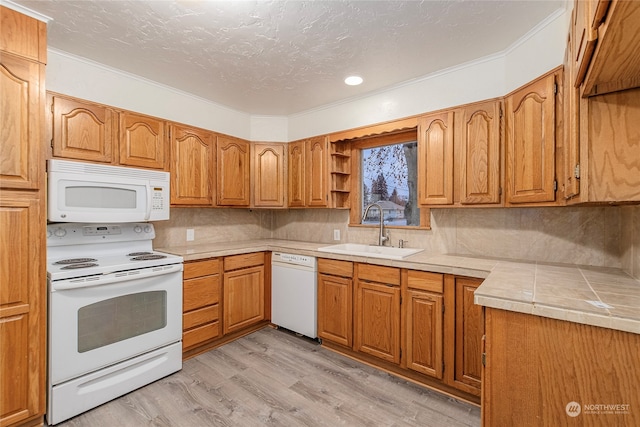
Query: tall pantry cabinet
x=22, y=219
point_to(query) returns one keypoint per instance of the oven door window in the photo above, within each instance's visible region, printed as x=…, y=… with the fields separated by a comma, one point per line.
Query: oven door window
x=117, y=319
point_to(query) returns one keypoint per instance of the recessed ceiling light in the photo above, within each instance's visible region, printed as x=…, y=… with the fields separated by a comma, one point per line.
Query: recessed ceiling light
x=353, y=80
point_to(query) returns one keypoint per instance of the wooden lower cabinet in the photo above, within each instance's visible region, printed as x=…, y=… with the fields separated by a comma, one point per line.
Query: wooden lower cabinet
x=335, y=301
x=200, y=303
x=419, y=325
x=541, y=372
x=244, y=291
x=377, y=313
x=464, y=328
x=422, y=313
x=22, y=308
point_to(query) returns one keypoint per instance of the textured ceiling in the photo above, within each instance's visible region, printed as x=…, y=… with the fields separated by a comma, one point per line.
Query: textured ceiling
x=283, y=57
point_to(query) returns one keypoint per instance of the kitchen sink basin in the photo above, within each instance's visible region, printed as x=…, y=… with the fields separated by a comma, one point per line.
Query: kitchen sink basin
x=359, y=249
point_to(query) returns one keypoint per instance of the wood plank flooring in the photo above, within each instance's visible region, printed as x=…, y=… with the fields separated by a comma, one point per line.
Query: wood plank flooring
x=273, y=377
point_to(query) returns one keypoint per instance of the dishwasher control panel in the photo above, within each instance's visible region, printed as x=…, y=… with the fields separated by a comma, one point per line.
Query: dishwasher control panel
x=296, y=259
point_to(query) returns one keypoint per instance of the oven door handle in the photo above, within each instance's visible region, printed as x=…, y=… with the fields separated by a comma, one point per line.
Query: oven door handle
x=117, y=277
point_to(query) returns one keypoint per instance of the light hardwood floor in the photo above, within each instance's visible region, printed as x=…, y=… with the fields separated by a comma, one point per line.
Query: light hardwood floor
x=273, y=377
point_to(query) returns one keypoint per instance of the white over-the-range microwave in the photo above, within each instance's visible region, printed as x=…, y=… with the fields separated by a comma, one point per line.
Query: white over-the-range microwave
x=88, y=192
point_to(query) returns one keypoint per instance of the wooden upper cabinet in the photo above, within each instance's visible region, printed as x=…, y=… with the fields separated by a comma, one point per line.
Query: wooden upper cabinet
x=584, y=39
x=530, y=142
x=616, y=59
x=316, y=171
x=83, y=130
x=296, y=175
x=233, y=157
x=21, y=131
x=435, y=159
x=477, y=139
x=268, y=175
x=22, y=35
x=571, y=104
x=609, y=148
x=142, y=141
x=192, y=166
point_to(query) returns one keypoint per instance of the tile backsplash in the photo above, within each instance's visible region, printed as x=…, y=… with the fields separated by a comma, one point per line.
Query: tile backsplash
x=601, y=236
x=212, y=225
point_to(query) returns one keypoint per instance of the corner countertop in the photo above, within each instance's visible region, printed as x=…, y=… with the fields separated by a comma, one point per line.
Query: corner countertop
x=597, y=296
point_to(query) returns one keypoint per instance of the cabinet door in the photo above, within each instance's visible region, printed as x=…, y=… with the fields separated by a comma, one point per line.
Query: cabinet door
x=82, y=130
x=335, y=308
x=424, y=350
x=22, y=307
x=478, y=143
x=268, y=175
x=233, y=171
x=243, y=301
x=21, y=139
x=296, y=173
x=531, y=145
x=377, y=320
x=571, y=154
x=316, y=172
x=142, y=141
x=435, y=159
x=584, y=39
x=466, y=328
x=192, y=166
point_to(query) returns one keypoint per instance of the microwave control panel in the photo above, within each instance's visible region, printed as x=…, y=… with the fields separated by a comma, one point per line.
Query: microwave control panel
x=157, y=199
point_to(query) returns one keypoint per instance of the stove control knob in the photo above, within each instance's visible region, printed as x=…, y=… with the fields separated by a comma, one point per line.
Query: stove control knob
x=60, y=232
x=147, y=229
x=49, y=233
x=137, y=229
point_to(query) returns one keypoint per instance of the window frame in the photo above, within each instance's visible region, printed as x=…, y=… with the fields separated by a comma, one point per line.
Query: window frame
x=373, y=141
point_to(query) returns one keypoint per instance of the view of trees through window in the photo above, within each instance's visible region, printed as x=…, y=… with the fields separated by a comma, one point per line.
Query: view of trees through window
x=389, y=175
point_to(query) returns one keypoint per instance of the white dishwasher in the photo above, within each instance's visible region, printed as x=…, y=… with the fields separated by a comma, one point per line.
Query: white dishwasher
x=294, y=290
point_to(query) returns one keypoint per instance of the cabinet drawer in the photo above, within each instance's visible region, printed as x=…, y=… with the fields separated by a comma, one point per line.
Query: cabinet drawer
x=425, y=281
x=335, y=268
x=199, y=317
x=200, y=334
x=241, y=261
x=379, y=274
x=201, y=268
x=200, y=292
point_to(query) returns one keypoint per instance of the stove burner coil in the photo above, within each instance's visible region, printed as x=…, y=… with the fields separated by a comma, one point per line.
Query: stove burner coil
x=81, y=265
x=148, y=257
x=75, y=261
x=139, y=253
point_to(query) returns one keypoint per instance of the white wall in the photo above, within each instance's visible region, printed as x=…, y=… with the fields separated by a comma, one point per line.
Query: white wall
x=79, y=77
x=541, y=50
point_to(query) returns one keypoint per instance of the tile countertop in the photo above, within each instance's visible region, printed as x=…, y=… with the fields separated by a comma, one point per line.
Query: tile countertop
x=597, y=296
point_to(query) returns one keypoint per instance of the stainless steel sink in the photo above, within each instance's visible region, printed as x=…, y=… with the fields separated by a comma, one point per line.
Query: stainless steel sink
x=359, y=249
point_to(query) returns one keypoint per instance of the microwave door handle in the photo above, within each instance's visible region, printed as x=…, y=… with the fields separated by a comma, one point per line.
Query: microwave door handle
x=149, y=200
